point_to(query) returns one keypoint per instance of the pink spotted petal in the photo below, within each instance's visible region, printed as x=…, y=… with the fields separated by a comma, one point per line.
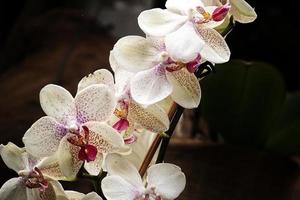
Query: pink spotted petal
x=220, y=13
x=121, y=125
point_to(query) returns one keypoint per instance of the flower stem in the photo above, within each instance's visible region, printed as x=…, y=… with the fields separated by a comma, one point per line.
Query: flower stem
x=155, y=144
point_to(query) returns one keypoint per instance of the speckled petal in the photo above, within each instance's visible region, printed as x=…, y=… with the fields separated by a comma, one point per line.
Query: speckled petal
x=186, y=88
x=101, y=76
x=150, y=86
x=107, y=140
x=57, y=102
x=242, y=11
x=95, y=103
x=135, y=53
x=215, y=49
x=152, y=118
x=43, y=137
x=49, y=166
x=68, y=160
x=12, y=156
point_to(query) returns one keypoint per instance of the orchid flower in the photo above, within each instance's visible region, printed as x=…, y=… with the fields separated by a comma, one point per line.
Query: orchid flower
x=188, y=29
x=72, y=195
x=155, y=75
x=164, y=181
x=152, y=117
x=35, y=178
x=75, y=128
x=239, y=9
x=128, y=115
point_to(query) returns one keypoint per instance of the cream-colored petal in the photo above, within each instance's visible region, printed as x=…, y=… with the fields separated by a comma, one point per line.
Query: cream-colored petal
x=95, y=103
x=150, y=86
x=43, y=137
x=50, y=168
x=186, y=88
x=105, y=138
x=94, y=167
x=168, y=179
x=242, y=11
x=215, y=49
x=184, y=44
x=101, y=76
x=73, y=195
x=57, y=102
x=152, y=118
x=119, y=166
x=121, y=190
x=135, y=53
x=12, y=156
x=159, y=22
x=13, y=189
x=68, y=160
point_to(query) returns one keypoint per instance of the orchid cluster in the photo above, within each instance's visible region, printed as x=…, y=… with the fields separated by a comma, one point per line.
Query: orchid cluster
x=106, y=129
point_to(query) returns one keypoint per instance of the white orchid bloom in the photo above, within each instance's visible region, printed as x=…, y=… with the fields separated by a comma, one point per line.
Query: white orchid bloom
x=240, y=9
x=35, y=178
x=164, y=181
x=73, y=195
x=155, y=75
x=74, y=128
x=188, y=29
x=128, y=115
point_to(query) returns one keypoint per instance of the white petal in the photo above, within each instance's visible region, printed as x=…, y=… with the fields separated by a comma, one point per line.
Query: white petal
x=183, y=6
x=215, y=49
x=135, y=53
x=54, y=191
x=185, y=44
x=159, y=22
x=95, y=103
x=12, y=156
x=152, y=118
x=242, y=11
x=101, y=76
x=92, y=196
x=73, y=195
x=150, y=86
x=116, y=188
x=13, y=189
x=68, y=160
x=186, y=88
x=57, y=102
x=168, y=180
x=119, y=166
x=122, y=81
x=43, y=137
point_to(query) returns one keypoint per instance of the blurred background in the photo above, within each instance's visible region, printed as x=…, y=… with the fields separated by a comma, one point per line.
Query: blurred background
x=223, y=149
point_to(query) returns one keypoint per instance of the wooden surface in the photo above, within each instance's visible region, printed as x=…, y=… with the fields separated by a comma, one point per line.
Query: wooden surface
x=63, y=46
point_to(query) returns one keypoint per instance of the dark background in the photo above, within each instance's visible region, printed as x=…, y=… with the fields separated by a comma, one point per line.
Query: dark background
x=61, y=41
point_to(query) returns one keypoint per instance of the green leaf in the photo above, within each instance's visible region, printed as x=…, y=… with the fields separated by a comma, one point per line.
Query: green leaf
x=286, y=139
x=242, y=100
